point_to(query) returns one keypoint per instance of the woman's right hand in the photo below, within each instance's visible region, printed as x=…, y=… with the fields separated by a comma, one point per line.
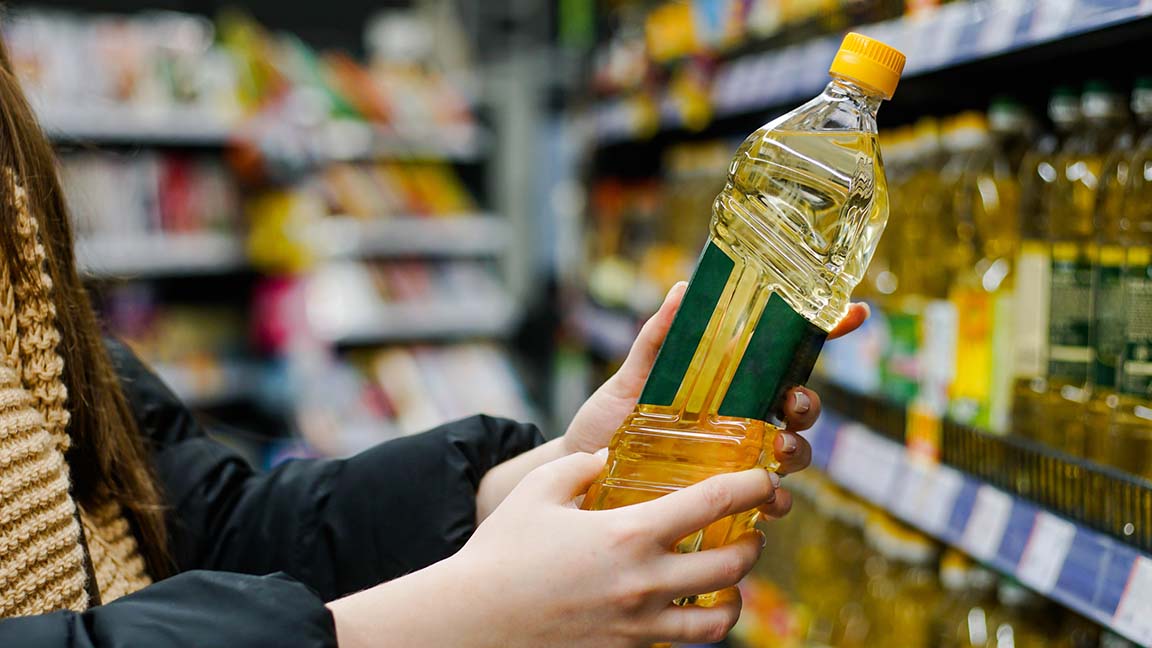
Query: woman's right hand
x=540, y=571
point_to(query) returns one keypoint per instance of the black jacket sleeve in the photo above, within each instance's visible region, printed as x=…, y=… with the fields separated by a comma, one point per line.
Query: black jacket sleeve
x=193, y=609
x=336, y=525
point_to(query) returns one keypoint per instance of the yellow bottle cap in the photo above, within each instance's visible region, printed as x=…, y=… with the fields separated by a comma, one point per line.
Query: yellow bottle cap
x=869, y=62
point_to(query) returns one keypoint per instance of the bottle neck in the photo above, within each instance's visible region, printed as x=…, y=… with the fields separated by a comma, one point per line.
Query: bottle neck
x=846, y=89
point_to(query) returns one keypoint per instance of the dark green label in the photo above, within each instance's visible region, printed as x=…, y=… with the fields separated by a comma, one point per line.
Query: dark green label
x=780, y=354
x=696, y=310
x=1070, y=318
x=1136, y=364
x=1108, y=326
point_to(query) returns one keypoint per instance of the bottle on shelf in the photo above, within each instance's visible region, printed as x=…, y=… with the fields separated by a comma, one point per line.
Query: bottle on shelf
x=984, y=198
x=1038, y=173
x=791, y=235
x=1130, y=429
x=1073, y=234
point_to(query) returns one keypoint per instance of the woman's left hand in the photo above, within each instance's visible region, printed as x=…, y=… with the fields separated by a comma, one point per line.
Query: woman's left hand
x=596, y=421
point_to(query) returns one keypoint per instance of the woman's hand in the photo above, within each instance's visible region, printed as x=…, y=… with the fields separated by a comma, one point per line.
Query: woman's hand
x=603, y=412
x=540, y=571
x=606, y=409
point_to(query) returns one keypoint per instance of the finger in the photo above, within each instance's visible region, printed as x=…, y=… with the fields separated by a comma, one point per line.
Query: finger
x=857, y=313
x=710, y=570
x=778, y=507
x=696, y=624
x=690, y=509
x=642, y=356
x=561, y=480
x=801, y=409
x=792, y=452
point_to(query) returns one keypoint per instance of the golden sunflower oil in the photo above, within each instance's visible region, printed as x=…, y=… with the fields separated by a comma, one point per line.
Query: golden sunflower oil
x=791, y=235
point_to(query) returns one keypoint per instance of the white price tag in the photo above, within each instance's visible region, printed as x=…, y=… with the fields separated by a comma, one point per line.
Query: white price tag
x=865, y=463
x=908, y=499
x=1134, y=614
x=1000, y=25
x=940, y=499
x=1052, y=18
x=985, y=529
x=1045, y=552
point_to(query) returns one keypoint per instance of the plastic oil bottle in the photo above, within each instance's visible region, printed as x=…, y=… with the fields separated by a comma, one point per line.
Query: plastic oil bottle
x=791, y=235
x=1038, y=174
x=1130, y=433
x=1115, y=238
x=921, y=241
x=985, y=200
x=1072, y=231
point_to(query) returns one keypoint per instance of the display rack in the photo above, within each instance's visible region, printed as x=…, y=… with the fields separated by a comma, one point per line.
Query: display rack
x=955, y=35
x=454, y=235
x=1072, y=531
x=116, y=125
x=141, y=256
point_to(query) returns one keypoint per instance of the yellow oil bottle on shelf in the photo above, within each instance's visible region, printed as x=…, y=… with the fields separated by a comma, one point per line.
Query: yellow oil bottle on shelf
x=1038, y=174
x=1076, y=257
x=791, y=235
x=920, y=241
x=1130, y=429
x=985, y=201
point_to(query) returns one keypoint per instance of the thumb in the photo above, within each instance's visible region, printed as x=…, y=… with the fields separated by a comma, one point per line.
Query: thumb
x=630, y=379
x=561, y=480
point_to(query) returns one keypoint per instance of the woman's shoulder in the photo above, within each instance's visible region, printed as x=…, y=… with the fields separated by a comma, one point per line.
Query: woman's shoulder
x=159, y=413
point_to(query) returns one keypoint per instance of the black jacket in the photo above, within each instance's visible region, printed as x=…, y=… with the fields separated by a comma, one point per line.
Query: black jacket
x=259, y=554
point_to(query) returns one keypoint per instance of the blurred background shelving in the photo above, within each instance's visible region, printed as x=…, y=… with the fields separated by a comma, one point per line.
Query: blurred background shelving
x=328, y=226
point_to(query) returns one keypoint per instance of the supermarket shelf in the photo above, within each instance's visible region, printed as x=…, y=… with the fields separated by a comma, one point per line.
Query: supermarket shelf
x=357, y=141
x=157, y=255
x=457, y=235
x=210, y=385
x=127, y=125
x=1101, y=577
x=424, y=321
x=956, y=34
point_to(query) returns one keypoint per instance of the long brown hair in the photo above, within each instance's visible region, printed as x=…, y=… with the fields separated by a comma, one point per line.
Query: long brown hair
x=107, y=455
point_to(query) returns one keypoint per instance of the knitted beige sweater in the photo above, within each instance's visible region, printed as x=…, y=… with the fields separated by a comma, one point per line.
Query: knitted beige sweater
x=42, y=550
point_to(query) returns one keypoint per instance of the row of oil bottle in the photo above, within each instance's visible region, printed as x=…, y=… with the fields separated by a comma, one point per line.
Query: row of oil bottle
x=1014, y=284
x=838, y=572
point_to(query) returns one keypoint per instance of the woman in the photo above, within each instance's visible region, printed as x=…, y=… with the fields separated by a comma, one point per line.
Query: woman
x=121, y=523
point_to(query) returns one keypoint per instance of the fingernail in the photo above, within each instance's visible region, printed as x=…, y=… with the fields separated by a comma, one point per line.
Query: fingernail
x=867, y=310
x=788, y=442
x=775, y=479
x=602, y=452
x=802, y=402
x=763, y=539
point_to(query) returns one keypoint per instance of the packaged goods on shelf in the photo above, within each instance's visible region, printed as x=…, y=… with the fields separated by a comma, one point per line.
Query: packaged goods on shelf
x=356, y=303
x=840, y=572
x=394, y=391
x=149, y=192
x=157, y=67
x=777, y=50
x=1043, y=270
x=384, y=189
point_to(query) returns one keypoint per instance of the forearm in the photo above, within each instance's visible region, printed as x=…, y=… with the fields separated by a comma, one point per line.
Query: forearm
x=423, y=609
x=500, y=480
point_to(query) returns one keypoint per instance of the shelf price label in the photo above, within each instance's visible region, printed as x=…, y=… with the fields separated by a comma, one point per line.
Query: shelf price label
x=941, y=491
x=985, y=529
x=1045, y=552
x=866, y=463
x=1134, y=614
